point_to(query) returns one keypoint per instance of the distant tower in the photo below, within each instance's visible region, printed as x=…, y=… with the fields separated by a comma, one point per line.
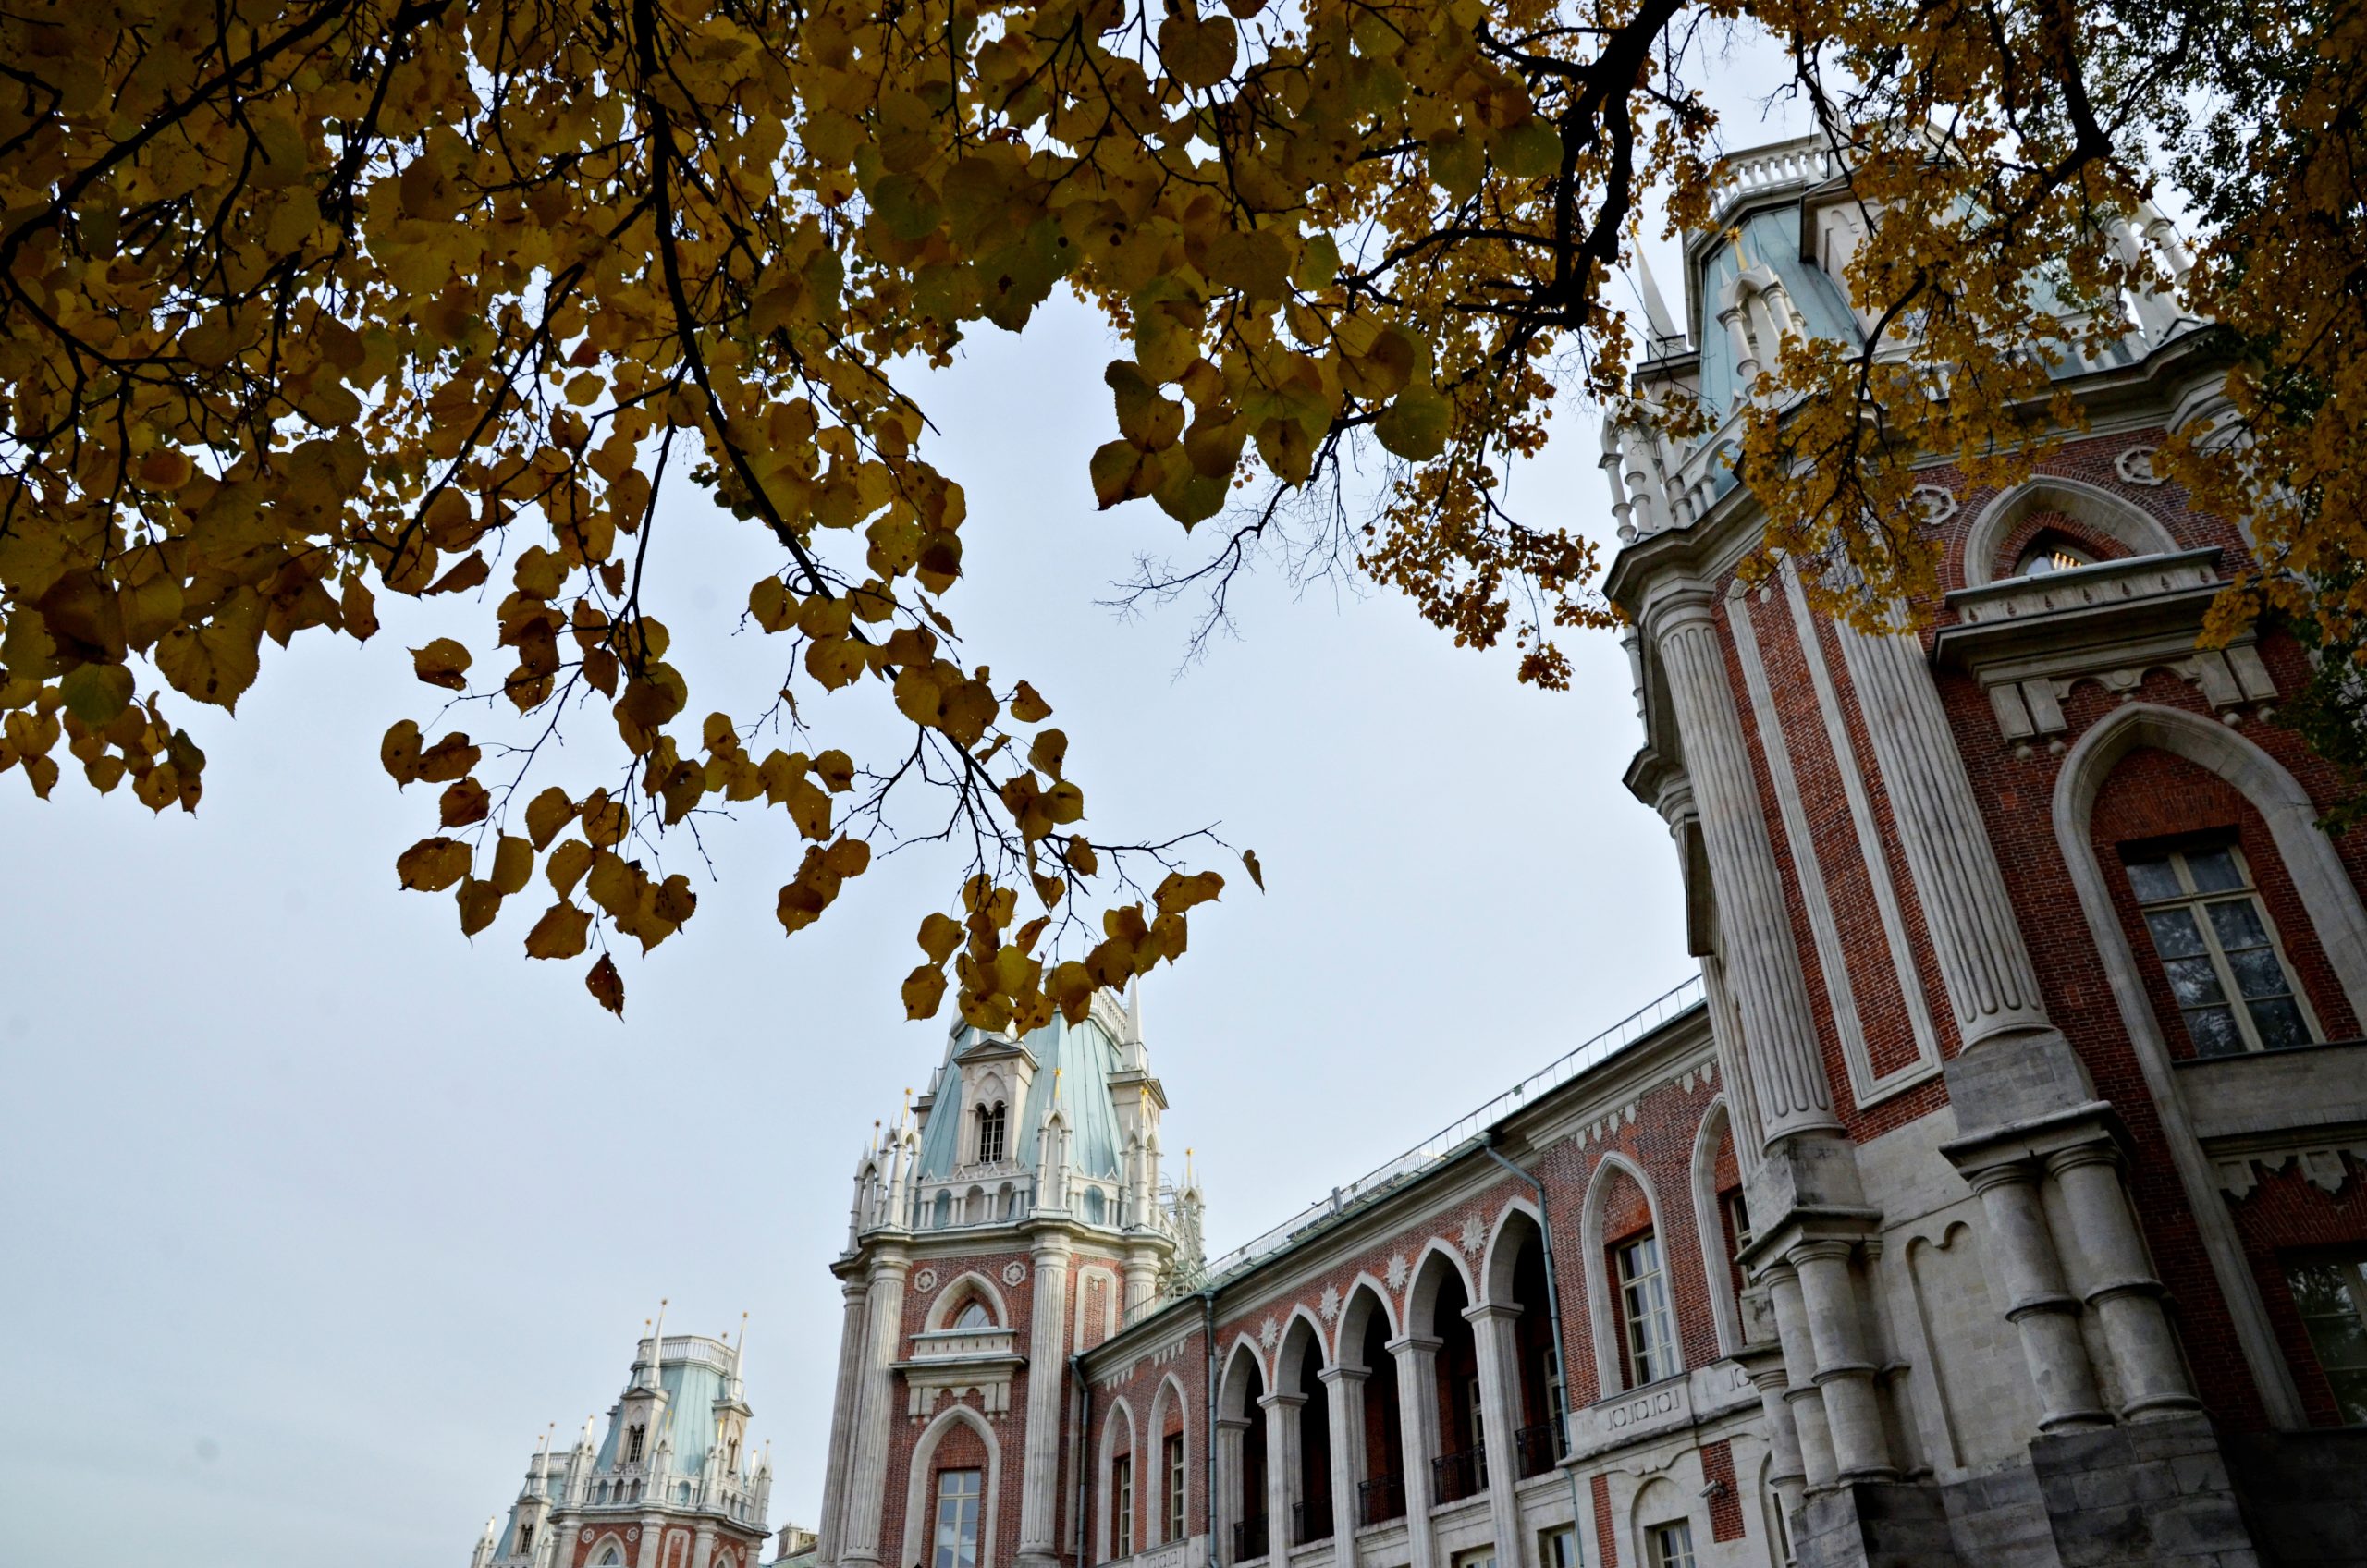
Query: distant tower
x=671, y=1484
x=1014, y=1216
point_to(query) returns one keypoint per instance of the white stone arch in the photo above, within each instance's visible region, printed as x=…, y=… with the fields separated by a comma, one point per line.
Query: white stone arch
x=1726, y=1311
x=1421, y=1288
x=1230, y=1386
x=1169, y=1391
x=1285, y=1372
x=2329, y=901
x=1661, y=1501
x=1237, y=1412
x=1497, y=1263
x=608, y=1550
x=1592, y=1242
x=1365, y=1295
x=2114, y=517
x=1111, y=1289
x=958, y=1289
x=920, y=1505
x=1776, y=1530
x=1120, y=1420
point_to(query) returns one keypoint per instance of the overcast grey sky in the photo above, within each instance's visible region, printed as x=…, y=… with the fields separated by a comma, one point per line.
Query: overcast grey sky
x=316, y=1214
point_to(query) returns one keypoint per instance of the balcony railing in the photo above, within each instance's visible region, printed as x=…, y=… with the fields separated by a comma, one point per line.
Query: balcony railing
x=1460, y=1475
x=1541, y=1447
x=1249, y=1539
x=1310, y=1521
x=1380, y=1499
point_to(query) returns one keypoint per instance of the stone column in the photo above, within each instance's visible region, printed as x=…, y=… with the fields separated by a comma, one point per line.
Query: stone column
x=842, y=1413
x=1142, y=1279
x=1281, y=1469
x=2042, y=1311
x=1345, y=1386
x=1801, y=1396
x=1047, y=1349
x=1491, y=1332
x=2120, y=1286
x=1763, y=1364
x=1761, y=967
x=1417, y=1412
x=563, y=1551
x=1224, y=1509
x=703, y=1545
x=1844, y=1371
x=1983, y=961
x=876, y=1414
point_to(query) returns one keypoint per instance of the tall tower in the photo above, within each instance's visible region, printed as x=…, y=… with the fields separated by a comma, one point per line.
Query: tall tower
x=672, y=1484
x=1014, y=1216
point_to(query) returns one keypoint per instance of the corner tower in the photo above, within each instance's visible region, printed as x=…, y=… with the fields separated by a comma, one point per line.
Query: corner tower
x=671, y=1483
x=1014, y=1216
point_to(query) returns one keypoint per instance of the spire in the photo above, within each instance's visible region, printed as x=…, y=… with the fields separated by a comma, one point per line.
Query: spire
x=646, y=1375
x=1664, y=334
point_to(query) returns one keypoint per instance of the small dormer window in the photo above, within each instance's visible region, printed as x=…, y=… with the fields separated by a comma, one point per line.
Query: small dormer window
x=2052, y=553
x=973, y=1315
x=525, y=1537
x=731, y=1457
x=992, y=1121
x=633, y=1444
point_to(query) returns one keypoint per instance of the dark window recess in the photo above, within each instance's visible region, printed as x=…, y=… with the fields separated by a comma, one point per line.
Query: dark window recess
x=2331, y=1292
x=1381, y=1499
x=1458, y=1474
x=2216, y=950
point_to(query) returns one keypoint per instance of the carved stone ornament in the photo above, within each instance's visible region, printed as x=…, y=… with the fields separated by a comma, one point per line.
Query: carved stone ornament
x=2136, y=466
x=925, y=1280
x=1937, y=502
x=1014, y=1272
x=1475, y=1235
x=1330, y=1306
x=633, y=1534
x=1269, y=1333
x=2322, y=1166
x=1398, y=1271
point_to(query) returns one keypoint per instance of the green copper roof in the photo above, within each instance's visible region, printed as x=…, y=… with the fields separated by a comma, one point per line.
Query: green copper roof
x=1071, y=1060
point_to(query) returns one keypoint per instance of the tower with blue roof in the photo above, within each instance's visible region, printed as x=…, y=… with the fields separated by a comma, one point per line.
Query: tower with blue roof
x=671, y=1483
x=1016, y=1214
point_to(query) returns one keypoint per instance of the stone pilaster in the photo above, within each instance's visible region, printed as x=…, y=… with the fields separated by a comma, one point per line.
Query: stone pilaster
x=2042, y=1310
x=1491, y=1328
x=1417, y=1408
x=875, y=1413
x=1344, y=1386
x=1224, y=1509
x=1801, y=1396
x=1844, y=1368
x=1047, y=1348
x=1761, y=967
x=842, y=1409
x=2120, y=1287
x=1283, y=1432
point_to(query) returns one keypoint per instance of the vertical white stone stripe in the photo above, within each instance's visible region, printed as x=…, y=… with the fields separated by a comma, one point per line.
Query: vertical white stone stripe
x=1039, y=1502
x=1762, y=970
x=1815, y=899
x=1982, y=958
x=1877, y=859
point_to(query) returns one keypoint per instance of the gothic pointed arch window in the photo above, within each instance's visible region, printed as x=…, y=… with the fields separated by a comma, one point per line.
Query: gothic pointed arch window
x=973, y=1315
x=993, y=1127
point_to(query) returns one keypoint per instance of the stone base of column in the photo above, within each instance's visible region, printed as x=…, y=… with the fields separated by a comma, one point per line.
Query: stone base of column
x=1027, y=1559
x=1876, y=1525
x=2157, y=1492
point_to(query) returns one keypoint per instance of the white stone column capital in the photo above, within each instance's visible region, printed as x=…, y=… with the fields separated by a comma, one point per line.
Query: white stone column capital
x=1344, y=1374
x=1280, y=1400
x=1487, y=1311
x=1405, y=1347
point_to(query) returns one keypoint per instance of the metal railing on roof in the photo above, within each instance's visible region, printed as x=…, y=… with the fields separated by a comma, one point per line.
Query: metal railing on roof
x=1452, y=1139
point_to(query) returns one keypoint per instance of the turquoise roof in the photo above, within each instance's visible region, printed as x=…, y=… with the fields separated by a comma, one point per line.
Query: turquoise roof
x=1073, y=1060
x=691, y=1389
x=1774, y=239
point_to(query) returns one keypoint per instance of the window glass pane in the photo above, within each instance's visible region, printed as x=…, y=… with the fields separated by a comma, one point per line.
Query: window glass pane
x=957, y=1519
x=2278, y=1022
x=2192, y=980
x=2329, y=1294
x=2238, y=923
x=2213, y=1031
x=2153, y=879
x=2213, y=871
x=2175, y=933
x=2257, y=972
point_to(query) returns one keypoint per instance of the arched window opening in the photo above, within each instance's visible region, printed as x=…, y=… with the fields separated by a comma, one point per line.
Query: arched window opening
x=959, y=1496
x=1540, y=1441
x=633, y=1436
x=1312, y=1513
x=1461, y=1468
x=2051, y=552
x=2217, y=950
x=1649, y=1342
x=1251, y=1535
x=992, y=1123
x=1175, y=1522
x=612, y=1557
x=942, y=1214
x=973, y=1315
x=1122, y=1505
x=1381, y=1494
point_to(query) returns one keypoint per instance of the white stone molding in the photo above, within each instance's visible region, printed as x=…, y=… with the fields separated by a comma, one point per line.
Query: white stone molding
x=1866, y=1087
x=919, y=1510
x=1421, y=1296
x=1816, y=898
x=1725, y=1035
x=1014, y=1272
x=925, y=1280
x=2130, y=525
x=1120, y=1417
x=940, y=1311
x=1725, y=1310
x=1503, y=1244
x=2333, y=906
x=1592, y=1244
x=1169, y=1392
x=2135, y=466
x=1937, y=501
x=2321, y=1163
x=1984, y=966
x=1762, y=971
